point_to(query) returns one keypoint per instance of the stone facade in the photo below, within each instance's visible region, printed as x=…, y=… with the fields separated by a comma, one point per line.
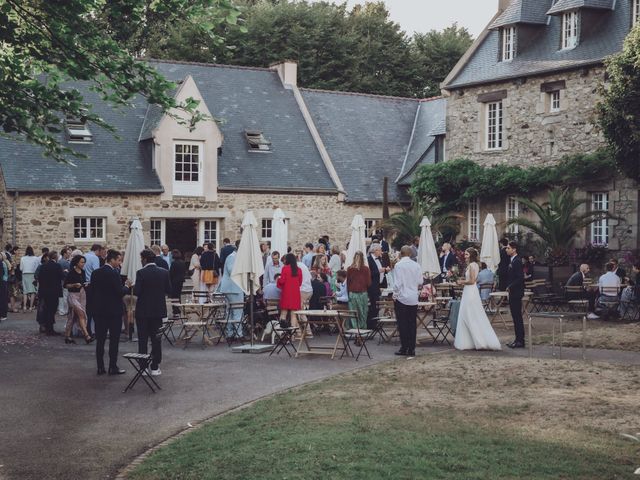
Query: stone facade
x=48, y=219
x=534, y=135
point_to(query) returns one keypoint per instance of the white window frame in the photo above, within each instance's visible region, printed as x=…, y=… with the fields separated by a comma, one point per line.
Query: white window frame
x=88, y=237
x=474, y=220
x=266, y=226
x=635, y=12
x=370, y=225
x=188, y=188
x=494, y=125
x=599, y=230
x=512, y=209
x=202, y=238
x=554, y=101
x=570, y=25
x=160, y=227
x=508, y=43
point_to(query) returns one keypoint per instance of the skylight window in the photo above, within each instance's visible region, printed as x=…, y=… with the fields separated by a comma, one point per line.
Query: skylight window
x=257, y=141
x=77, y=131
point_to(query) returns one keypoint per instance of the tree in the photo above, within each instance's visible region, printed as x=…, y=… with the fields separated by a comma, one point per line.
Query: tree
x=620, y=108
x=558, y=222
x=46, y=44
x=436, y=53
x=404, y=226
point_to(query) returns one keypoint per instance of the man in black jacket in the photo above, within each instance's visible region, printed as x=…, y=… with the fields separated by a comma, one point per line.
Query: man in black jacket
x=377, y=271
x=49, y=291
x=515, y=287
x=503, y=266
x=447, y=260
x=152, y=287
x=225, y=251
x=108, y=308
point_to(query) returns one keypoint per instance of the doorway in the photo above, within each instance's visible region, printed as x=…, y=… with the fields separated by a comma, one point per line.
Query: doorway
x=182, y=234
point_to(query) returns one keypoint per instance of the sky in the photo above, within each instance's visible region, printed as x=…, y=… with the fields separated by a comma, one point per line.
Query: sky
x=424, y=15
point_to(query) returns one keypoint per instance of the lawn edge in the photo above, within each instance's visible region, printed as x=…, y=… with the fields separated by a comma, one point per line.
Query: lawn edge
x=123, y=473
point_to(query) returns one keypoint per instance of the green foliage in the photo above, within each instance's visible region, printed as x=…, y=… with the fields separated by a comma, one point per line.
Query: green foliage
x=451, y=185
x=359, y=50
x=620, y=109
x=404, y=226
x=436, y=53
x=45, y=44
x=558, y=222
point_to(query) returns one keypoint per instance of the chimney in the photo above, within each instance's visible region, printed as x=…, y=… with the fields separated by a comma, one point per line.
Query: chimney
x=288, y=73
x=503, y=4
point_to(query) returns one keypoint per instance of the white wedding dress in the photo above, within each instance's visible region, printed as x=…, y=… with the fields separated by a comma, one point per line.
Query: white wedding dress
x=474, y=331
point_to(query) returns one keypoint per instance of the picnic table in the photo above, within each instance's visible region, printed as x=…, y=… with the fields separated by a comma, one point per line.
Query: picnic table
x=318, y=318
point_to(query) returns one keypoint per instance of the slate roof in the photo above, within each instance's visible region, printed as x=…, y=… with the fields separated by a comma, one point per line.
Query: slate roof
x=367, y=138
x=113, y=165
x=254, y=98
x=541, y=54
x=429, y=122
x=564, y=5
x=523, y=11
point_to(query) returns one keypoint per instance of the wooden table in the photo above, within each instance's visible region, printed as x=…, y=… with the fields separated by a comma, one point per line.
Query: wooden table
x=321, y=317
x=205, y=313
x=496, y=300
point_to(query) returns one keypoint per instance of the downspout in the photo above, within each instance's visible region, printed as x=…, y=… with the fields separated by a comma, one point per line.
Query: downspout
x=13, y=218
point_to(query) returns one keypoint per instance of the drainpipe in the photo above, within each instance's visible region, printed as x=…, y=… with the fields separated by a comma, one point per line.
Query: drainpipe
x=13, y=218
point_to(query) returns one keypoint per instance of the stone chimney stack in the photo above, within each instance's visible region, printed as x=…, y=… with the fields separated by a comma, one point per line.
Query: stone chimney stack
x=503, y=4
x=288, y=73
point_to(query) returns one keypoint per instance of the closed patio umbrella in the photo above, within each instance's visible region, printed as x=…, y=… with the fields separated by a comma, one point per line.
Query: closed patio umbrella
x=279, y=233
x=427, y=254
x=490, y=251
x=248, y=266
x=132, y=262
x=357, y=241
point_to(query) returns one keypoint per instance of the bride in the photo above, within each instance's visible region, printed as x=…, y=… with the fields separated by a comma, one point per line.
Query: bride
x=474, y=331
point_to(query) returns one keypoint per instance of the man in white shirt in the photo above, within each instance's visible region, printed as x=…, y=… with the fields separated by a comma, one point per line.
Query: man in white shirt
x=272, y=268
x=306, y=290
x=609, y=283
x=166, y=254
x=407, y=279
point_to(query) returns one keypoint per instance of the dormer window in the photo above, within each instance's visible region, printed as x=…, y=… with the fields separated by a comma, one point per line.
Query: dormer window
x=257, y=141
x=508, y=43
x=570, y=22
x=77, y=131
x=635, y=14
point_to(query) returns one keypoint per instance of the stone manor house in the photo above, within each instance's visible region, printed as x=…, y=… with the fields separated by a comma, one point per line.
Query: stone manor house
x=524, y=93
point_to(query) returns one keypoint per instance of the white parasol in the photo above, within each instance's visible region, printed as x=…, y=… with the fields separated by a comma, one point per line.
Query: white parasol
x=135, y=245
x=357, y=241
x=248, y=266
x=427, y=254
x=279, y=233
x=490, y=251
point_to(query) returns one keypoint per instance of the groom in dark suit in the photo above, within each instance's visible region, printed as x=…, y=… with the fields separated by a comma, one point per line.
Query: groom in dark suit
x=515, y=287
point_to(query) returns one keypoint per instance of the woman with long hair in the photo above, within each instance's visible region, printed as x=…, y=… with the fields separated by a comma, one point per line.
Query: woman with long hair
x=209, y=269
x=358, y=282
x=289, y=283
x=75, y=282
x=194, y=268
x=474, y=331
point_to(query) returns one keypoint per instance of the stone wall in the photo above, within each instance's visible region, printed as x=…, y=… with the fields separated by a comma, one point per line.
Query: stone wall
x=532, y=136
x=47, y=219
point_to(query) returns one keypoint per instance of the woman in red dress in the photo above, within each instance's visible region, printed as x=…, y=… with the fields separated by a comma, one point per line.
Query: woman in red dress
x=289, y=282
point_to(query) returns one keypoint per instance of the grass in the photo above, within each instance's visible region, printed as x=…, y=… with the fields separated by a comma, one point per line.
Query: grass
x=448, y=417
x=625, y=337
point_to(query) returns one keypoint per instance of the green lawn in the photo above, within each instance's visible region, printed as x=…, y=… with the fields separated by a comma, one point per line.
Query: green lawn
x=371, y=425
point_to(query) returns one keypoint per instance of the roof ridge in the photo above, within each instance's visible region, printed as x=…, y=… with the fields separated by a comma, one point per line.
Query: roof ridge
x=431, y=99
x=204, y=64
x=357, y=94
